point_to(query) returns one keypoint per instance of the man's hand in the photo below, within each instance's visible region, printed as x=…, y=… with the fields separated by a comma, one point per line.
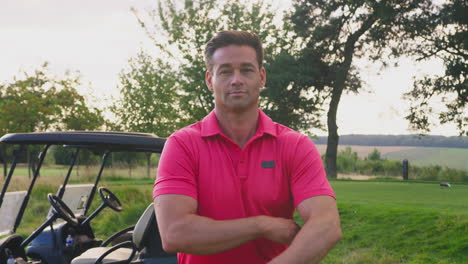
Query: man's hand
x=280, y=230
x=182, y=230
x=321, y=231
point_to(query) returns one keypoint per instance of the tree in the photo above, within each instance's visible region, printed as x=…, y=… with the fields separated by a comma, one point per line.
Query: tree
x=374, y=155
x=148, y=100
x=287, y=97
x=39, y=102
x=181, y=30
x=336, y=32
x=148, y=97
x=448, y=42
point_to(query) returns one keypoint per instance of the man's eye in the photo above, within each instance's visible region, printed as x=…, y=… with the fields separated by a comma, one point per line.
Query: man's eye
x=247, y=70
x=225, y=72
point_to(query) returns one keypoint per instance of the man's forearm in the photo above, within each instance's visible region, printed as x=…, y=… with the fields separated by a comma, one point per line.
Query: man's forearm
x=194, y=234
x=312, y=243
x=183, y=230
x=200, y=235
x=319, y=234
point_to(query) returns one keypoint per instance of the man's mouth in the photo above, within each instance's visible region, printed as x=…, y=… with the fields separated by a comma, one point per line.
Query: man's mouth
x=236, y=92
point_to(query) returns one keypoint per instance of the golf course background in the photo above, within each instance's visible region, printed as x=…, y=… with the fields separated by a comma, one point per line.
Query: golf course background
x=455, y=158
x=383, y=221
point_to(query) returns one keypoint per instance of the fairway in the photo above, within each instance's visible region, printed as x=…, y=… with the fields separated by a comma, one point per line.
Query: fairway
x=404, y=194
x=382, y=222
x=401, y=222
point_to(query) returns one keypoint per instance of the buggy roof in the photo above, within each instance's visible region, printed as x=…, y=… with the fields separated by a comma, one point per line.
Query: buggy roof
x=110, y=141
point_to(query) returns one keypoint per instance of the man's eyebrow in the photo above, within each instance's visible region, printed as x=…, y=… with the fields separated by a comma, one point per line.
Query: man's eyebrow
x=247, y=64
x=225, y=65
x=228, y=65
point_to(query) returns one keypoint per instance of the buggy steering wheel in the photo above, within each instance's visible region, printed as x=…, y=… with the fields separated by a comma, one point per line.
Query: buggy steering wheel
x=110, y=199
x=62, y=210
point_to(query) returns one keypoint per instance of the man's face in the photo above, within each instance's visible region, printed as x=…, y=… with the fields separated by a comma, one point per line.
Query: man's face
x=235, y=78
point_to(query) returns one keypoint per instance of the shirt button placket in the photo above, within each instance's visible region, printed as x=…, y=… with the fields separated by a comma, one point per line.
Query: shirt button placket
x=242, y=167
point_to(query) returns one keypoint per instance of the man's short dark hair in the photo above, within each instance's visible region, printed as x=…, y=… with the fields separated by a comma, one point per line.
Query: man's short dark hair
x=233, y=37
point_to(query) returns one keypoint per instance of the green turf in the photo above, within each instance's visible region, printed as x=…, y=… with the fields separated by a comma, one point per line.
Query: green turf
x=46, y=171
x=382, y=222
x=386, y=223
x=87, y=172
x=404, y=194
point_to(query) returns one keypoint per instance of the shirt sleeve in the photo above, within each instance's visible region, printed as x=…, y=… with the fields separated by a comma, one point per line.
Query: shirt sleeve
x=176, y=173
x=308, y=178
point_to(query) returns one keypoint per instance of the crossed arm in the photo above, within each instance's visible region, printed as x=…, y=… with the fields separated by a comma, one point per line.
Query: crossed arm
x=321, y=231
x=182, y=230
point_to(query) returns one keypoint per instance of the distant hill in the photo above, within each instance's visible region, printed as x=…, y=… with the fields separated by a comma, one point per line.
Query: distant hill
x=400, y=140
x=422, y=156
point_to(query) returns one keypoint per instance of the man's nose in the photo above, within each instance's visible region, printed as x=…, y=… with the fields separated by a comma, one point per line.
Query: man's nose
x=236, y=78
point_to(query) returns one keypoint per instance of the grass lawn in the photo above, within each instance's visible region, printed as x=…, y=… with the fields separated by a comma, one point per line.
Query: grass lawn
x=382, y=222
x=404, y=195
x=390, y=222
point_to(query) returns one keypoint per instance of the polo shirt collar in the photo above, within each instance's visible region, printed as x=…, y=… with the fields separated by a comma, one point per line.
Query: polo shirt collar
x=210, y=125
x=266, y=125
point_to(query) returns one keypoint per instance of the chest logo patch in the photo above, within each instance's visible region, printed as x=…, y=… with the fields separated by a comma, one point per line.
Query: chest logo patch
x=268, y=164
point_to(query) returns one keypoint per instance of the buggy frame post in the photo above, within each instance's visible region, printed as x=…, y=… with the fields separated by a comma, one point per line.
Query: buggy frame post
x=65, y=182
x=93, y=191
x=3, y=160
x=28, y=194
x=16, y=154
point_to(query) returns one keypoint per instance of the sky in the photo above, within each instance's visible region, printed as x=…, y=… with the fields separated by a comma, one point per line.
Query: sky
x=98, y=37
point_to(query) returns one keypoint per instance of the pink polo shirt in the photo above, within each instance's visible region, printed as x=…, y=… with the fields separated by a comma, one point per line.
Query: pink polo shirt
x=277, y=169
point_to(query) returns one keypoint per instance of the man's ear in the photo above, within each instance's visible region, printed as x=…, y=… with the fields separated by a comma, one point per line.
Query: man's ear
x=208, y=80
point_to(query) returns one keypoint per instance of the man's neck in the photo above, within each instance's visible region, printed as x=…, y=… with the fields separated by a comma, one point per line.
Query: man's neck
x=238, y=126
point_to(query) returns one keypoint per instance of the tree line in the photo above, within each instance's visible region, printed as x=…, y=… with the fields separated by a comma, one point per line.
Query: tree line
x=348, y=162
x=310, y=59
x=400, y=140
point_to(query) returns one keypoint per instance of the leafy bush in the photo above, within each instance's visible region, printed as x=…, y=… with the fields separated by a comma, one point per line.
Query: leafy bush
x=347, y=160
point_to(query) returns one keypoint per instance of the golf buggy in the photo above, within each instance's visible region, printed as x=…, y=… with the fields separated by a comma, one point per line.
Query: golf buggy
x=73, y=240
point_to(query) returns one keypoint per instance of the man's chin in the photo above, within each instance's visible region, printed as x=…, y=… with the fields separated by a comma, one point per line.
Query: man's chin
x=241, y=107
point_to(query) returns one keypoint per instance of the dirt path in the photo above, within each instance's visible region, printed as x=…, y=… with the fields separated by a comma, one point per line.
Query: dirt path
x=355, y=177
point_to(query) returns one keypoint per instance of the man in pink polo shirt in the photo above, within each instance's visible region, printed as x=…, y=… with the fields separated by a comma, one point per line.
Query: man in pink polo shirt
x=227, y=186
